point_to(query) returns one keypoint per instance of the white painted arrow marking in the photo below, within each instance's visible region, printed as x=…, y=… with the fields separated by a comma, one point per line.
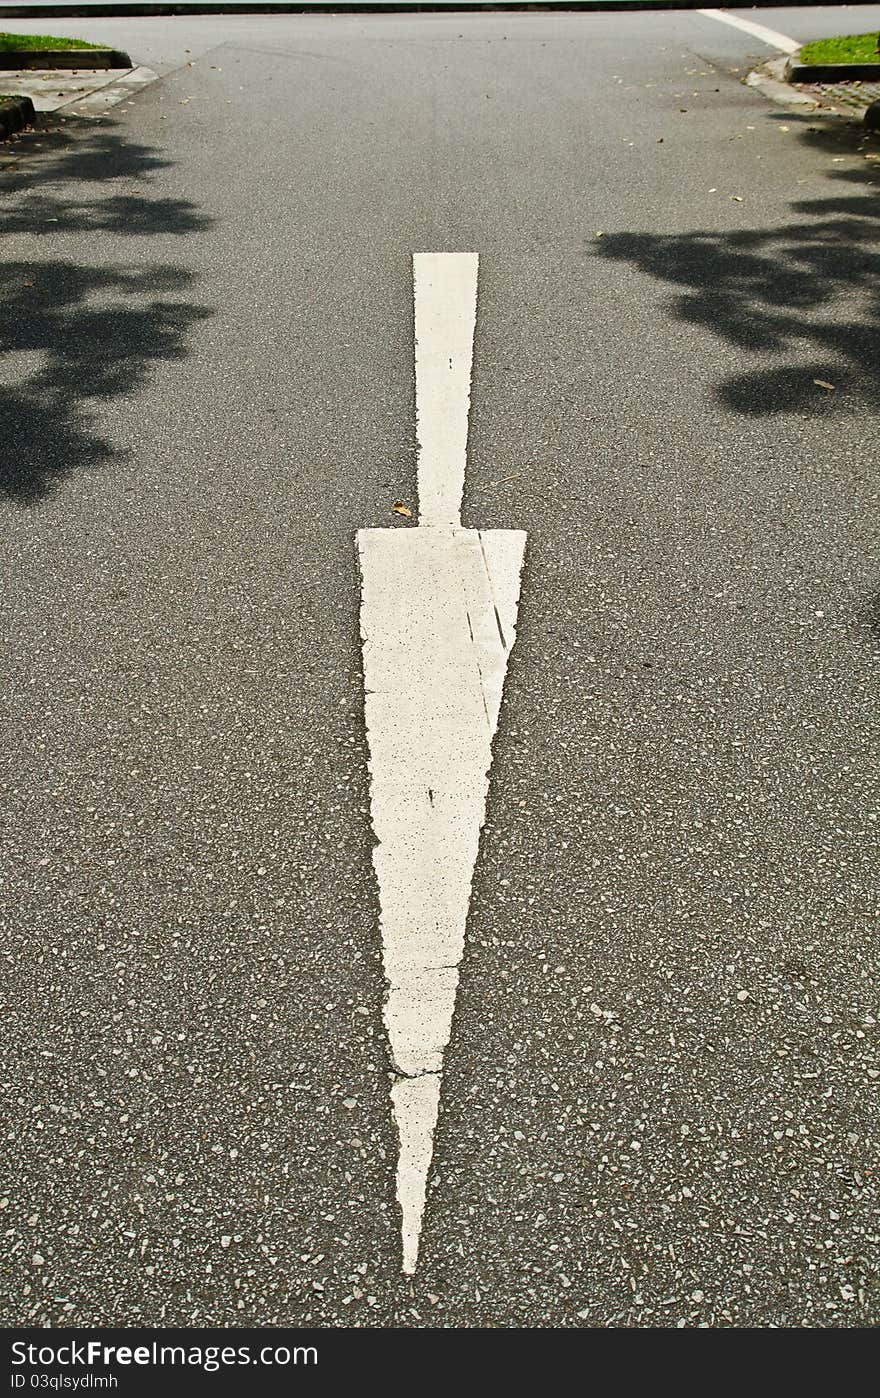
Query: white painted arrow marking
x=438, y=621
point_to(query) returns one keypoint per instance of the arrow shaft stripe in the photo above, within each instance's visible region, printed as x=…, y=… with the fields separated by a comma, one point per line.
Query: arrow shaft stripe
x=445, y=290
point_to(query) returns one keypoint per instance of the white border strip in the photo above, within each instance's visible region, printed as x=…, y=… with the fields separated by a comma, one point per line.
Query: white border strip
x=767, y=36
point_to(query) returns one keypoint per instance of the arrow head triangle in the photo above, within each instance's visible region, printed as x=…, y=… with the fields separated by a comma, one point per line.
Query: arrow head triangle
x=438, y=620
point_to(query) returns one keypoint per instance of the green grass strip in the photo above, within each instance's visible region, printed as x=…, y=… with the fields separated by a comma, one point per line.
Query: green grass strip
x=846, y=48
x=43, y=41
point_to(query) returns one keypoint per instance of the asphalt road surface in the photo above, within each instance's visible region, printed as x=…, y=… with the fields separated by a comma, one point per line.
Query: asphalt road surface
x=659, y=1102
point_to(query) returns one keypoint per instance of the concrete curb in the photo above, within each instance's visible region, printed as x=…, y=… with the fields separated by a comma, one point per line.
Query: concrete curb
x=97, y=102
x=769, y=79
x=14, y=115
x=90, y=94
x=20, y=60
x=831, y=72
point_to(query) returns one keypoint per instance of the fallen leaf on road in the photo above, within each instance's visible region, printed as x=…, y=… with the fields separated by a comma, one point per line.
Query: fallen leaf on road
x=28, y=283
x=737, y=198
x=823, y=383
x=400, y=508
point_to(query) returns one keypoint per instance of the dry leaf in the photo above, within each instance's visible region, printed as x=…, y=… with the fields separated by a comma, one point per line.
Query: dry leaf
x=28, y=283
x=400, y=508
x=823, y=383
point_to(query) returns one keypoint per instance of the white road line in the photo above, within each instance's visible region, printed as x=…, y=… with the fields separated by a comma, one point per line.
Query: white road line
x=767, y=36
x=438, y=621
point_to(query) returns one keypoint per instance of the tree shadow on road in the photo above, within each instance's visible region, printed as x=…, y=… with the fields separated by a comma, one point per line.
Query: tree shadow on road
x=803, y=295
x=76, y=329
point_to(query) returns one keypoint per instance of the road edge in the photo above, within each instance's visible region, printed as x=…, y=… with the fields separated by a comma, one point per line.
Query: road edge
x=106, y=8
